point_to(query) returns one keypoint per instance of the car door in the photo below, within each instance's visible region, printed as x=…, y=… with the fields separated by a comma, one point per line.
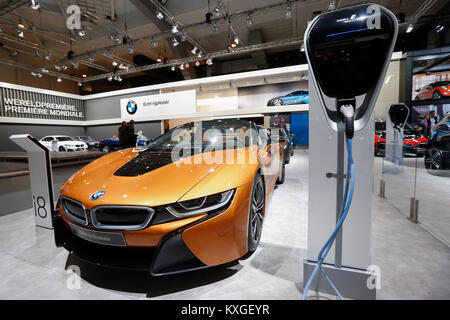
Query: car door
x=47, y=142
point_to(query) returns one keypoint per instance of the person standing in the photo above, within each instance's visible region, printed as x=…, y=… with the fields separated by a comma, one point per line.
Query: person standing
x=433, y=118
x=422, y=125
x=123, y=135
x=132, y=138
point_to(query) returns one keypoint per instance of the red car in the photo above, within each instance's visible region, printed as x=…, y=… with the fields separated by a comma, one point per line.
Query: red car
x=413, y=143
x=435, y=90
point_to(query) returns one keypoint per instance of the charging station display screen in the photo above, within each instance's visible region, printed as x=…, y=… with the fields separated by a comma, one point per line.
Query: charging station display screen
x=348, y=49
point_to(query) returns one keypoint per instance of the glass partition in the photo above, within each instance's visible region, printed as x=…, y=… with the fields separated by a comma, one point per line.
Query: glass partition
x=415, y=169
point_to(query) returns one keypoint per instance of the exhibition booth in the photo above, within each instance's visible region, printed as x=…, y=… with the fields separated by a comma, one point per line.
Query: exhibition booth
x=354, y=206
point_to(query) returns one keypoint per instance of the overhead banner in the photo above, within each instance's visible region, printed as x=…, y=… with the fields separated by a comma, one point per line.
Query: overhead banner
x=32, y=105
x=159, y=105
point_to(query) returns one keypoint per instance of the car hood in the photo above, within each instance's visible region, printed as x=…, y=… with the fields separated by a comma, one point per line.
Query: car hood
x=127, y=178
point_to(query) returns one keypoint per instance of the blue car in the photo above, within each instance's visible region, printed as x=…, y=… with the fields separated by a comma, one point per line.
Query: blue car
x=112, y=144
x=296, y=97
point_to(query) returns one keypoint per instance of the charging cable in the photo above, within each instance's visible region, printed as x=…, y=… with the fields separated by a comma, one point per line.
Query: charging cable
x=348, y=113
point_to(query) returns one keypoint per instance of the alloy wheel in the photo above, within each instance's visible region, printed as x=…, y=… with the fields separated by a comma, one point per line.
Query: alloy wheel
x=257, y=211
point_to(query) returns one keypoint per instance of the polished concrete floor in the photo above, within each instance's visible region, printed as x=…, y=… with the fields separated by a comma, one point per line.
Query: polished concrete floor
x=414, y=264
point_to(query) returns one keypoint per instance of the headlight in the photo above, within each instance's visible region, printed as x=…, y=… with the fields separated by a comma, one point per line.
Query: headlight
x=201, y=205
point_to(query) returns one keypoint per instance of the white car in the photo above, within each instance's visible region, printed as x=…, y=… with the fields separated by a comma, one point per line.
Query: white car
x=63, y=143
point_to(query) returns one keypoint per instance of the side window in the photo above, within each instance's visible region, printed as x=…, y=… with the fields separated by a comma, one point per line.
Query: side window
x=47, y=139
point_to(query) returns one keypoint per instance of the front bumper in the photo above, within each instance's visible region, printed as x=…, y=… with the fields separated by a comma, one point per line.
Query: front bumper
x=418, y=150
x=172, y=256
x=168, y=248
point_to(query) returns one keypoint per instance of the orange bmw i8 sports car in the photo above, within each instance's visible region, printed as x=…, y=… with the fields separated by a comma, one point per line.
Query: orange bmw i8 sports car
x=194, y=197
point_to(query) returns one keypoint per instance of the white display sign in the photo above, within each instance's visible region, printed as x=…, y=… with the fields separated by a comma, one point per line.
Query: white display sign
x=159, y=105
x=41, y=179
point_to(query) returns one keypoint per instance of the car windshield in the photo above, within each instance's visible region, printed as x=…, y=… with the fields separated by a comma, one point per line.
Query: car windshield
x=441, y=83
x=217, y=134
x=85, y=138
x=64, y=138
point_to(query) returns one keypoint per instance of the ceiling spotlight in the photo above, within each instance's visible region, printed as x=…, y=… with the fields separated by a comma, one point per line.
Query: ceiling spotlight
x=74, y=63
x=44, y=70
x=288, y=11
x=118, y=40
x=21, y=25
x=110, y=78
x=230, y=48
x=236, y=40
x=249, y=20
x=79, y=83
x=20, y=33
x=84, y=76
x=175, y=42
x=153, y=43
x=58, y=67
x=233, y=45
x=48, y=56
x=37, y=54
x=159, y=59
x=130, y=49
x=410, y=28
x=216, y=27
x=121, y=66
x=197, y=63
x=174, y=29
x=159, y=15
x=172, y=68
x=302, y=48
x=91, y=58
x=182, y=37
x=34, y=4
x=200, y=54
x=194, y=50
x=82, y=32
x=118, y=78
x=64, y=67
x=34, y=74
x=114, y=63
x=13, y=53
x=209, y=61
x=439, y=28
x=332, y=5
x=186, y=65
x=216, y=10
x=181, y=66
x=59, y=80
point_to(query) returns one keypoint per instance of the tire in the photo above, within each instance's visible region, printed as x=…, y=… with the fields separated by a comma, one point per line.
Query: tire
x=437, y=95
x=277, y=102
x=282, y=174
x=61, y=149
x=105, y=149
x=256, y=213
x=433, y=160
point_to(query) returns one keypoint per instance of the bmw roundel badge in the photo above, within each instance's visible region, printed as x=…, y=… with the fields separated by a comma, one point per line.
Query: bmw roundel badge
x=97, y=195
x=131, y=107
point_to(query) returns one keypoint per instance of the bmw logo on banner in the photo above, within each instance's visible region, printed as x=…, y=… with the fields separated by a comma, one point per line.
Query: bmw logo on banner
x=131, y=107
x=97, y=195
